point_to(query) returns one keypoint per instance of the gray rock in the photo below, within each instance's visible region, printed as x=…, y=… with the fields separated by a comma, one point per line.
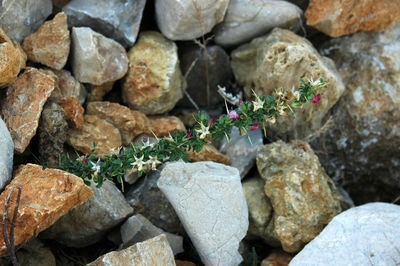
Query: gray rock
x=6, y=155
x=137, y=229
x=88, y=223
x=209, y=200
x=247, y=19
x=119, y=20
x=23, y=17
x=97, y=59
x=241, y=151
x=188, y=20
x=364, y=235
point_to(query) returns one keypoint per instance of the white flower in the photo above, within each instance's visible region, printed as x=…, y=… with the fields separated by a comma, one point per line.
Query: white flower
x=296, y=93
x=258, y=104
x=139, y=163
x=96, y=166
x=314, y=82
x=153, y=162
x=147, y=144
x=204, y=131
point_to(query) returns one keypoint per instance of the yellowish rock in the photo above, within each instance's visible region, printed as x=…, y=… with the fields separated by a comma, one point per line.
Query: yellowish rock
x=208, y=153
x=164, y=125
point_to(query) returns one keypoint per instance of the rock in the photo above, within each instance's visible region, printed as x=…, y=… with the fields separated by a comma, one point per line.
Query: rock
x=279, y=60
x=11, y=59
x=241, y=151
x=163, y=126
x=147, y=199
x=303, y=197
x=130, y=123
x=86, y=224
x=36, y=212
x=188, y=20
x=364, y=235
x=95, y=129
x=96, y=59
x=154, y=83
x=155, y=251
x=246, y=20
x=97, y=92
x=52, y=134
x=67, y=86
x=204, y=71
x=6, y=156
x=50, y=44
x=35, y=253
x=208, y=153
x=21, y=18
x=361, y=148
x=23, y=105
x=184, y=263
x=342, y=18
x=73, y=112
x=277, y=259
x=209, y=200
x=137, y=229
x=119, y=20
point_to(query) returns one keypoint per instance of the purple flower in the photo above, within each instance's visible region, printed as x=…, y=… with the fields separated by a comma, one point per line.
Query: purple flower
x=254, y=127
x=85, y=160
x=233, y=114
x=316, y=99
x=189, y=133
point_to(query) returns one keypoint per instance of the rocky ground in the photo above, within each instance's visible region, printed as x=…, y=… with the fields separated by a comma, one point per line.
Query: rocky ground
x=310, y=187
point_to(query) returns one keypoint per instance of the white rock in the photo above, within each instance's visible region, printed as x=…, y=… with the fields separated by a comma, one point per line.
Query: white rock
x=186, y=19
x=364, y=235
x=247, y=19
x=6, y=155
x=209, y=200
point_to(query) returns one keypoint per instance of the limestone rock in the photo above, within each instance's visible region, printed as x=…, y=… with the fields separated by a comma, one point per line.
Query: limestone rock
x=361, y=148
x=67, y=86
x=35, y=252
x=162, y=126
x=241, y=151
x=24, y=103
x=119, y=20
x=36, y=212
x=97, y=92
x=302, y=195
x=188, y=20
x=154, y=83
x=52, y=134
x=73, y=112
x=208, y=153
x=129, y=122
x=11, y=60
x=95, y=129
x=209, y=200
x=277, y=259
x=88, y=223
x=7, y=154
x=346, y=17
x=246, y=19
x=50, y=44
x=279, y=60
x=96, y=59
x=364, y=235
x=155, y=251
x=23, y=17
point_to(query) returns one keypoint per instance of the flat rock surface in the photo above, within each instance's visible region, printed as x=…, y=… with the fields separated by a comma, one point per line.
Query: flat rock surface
x=7, y=154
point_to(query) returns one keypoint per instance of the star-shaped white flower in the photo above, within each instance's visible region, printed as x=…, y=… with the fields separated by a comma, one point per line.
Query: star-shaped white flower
x=153, y=162
x=139, y=163
x=96, y=166
x=258, y=104
x=204, y=131
x=296, y=93
x=314, y=82
x=147, y=144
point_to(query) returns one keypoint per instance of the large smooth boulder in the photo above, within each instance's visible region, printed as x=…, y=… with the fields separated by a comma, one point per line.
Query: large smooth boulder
x=7, y=154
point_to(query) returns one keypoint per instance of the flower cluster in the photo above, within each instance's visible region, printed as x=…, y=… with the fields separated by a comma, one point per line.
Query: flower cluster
x=248, y=115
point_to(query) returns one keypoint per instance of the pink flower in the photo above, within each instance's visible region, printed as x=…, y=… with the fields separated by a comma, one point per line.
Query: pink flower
x=233, y=114
x=316, y=99
x=189, y=133
x=240, y=101
x=254, y=127
x=85, y=160
x=212, y=120
x=122, y=150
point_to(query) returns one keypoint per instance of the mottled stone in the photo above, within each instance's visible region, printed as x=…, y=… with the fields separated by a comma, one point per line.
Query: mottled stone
x=337, y=18
x=277, y=259
x=165, y=125
x=97, y=92
x=36, y=212
x=364, y=235
x=247, y=19
x=86, y=224
x=154, y=83
x=280, y=60
x=118, y=20
x=361, y=149
x=73, y=112
x=155, y=251
x=188, y=20
x=50, y=44
x=96, y=59
x=52, y=134
x=209, y=200
x=130, y=123
x=303, y=197
x=24, y=103
x=67, y=86
x=95, y=129
x=35, y=252
x=23, y=17
x=242, y=150
x=208, y=153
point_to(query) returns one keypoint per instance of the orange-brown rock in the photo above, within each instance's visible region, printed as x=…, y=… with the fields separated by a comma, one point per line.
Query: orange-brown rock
x=336, y=18
x=129, y=122
x=11, y=59
x=184, y=263
x=97, y=92
x=23, y=105
x=95, y=129
x=208, y=153
x=277, y=258
x=73, y=112
x=46, y=195
x=22, y=55
x=50, y=44
x=164, y=125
